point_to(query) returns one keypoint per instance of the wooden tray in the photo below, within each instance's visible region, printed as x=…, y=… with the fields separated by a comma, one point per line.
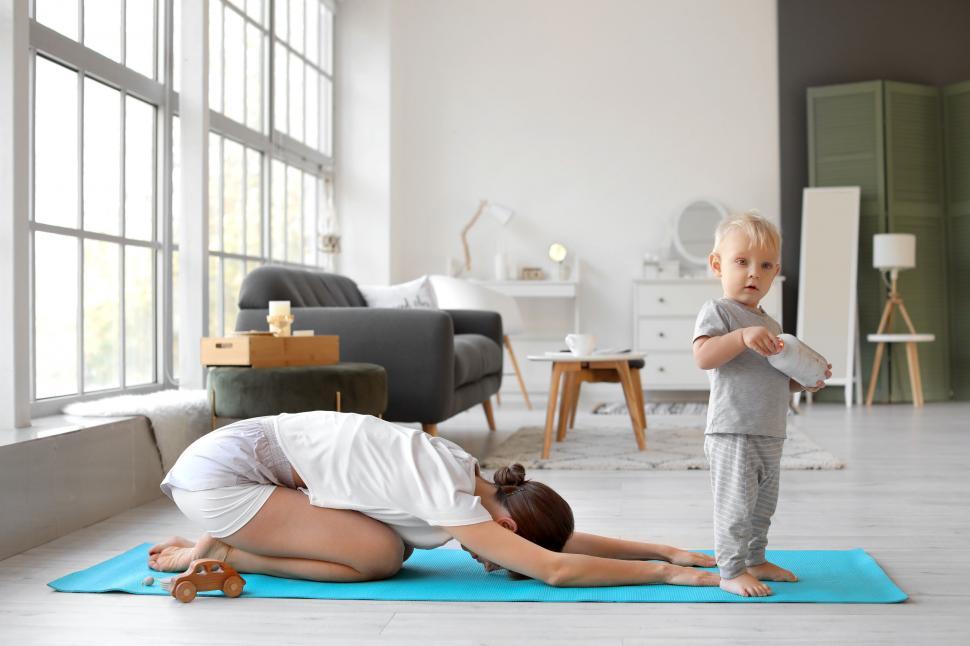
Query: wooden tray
x=270, y=351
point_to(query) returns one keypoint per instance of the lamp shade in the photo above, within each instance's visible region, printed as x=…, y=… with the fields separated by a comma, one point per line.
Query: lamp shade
x=894, y=251
x=500, y=213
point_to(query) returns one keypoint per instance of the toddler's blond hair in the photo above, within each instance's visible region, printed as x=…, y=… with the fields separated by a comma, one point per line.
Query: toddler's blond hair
x=759, y=231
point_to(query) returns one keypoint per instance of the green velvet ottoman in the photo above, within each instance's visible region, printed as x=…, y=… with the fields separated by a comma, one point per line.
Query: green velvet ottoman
x=241, y=392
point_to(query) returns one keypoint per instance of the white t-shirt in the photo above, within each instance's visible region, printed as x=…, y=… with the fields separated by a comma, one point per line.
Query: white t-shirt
x=400, y=476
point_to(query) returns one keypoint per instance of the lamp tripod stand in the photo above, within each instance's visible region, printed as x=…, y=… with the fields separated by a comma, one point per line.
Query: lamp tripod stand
x=883, y=335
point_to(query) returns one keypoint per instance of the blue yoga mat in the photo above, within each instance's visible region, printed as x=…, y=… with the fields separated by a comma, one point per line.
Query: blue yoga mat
x=827, y=576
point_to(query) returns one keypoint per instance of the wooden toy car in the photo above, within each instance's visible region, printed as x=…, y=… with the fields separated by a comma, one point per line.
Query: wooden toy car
x=206, y=574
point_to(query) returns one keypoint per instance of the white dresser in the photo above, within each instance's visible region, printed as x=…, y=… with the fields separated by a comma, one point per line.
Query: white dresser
x=664, y=312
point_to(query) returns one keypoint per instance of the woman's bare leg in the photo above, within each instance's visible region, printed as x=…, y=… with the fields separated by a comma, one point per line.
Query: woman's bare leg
x=288, y=537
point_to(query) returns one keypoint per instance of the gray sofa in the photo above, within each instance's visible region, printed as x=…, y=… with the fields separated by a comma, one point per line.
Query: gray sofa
x=438, y=362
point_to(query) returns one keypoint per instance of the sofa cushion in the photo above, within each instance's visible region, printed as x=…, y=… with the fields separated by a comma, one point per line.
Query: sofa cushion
x=475, y=357
x=302, y=287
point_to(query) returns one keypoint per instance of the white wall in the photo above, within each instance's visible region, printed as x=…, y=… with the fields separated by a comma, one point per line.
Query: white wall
x=595, y=121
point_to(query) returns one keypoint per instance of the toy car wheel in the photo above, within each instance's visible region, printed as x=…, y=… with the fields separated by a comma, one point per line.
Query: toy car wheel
x=185, y=591
x=233, y=586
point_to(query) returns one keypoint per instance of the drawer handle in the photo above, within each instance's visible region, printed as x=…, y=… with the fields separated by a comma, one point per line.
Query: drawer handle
x=661, y=300
x=224, y=345
x=660, y=369
x=661, y=334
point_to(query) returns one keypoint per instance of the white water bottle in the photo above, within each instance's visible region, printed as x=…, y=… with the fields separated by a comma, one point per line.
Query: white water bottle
x=800, y=362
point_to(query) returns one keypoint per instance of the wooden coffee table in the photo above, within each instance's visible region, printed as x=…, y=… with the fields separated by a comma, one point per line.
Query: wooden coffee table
x=576, y=369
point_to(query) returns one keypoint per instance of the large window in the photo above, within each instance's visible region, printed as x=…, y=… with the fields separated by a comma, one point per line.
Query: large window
x=103, y=209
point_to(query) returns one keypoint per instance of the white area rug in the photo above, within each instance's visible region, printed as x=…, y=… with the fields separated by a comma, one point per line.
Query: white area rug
x=177, y=417
x=674, y=443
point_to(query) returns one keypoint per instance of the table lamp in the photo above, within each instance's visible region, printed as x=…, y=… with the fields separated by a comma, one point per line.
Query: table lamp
x=892, y=252
x=501, y=214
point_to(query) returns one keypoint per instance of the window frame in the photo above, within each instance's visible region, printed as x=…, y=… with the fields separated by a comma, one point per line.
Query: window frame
x=161, y=94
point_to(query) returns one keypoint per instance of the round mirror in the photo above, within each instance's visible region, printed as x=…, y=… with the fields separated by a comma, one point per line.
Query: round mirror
x=694, y=230
x=557, y=252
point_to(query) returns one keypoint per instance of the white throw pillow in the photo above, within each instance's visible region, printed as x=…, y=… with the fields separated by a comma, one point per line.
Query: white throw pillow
x=416, y=294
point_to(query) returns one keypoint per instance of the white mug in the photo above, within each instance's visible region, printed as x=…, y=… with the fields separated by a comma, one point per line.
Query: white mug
x=580, y=344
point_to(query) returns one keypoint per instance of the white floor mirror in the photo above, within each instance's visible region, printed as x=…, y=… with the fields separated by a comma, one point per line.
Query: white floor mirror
x=827, y=300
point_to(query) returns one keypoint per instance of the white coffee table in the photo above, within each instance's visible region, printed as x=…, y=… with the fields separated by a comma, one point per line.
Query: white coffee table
x=613, y=368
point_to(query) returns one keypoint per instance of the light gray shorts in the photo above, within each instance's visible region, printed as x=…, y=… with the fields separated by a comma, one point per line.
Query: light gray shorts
x=222, y=512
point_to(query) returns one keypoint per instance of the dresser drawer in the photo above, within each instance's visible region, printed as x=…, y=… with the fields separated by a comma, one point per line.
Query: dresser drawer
x=673, y=370
x=664, y=333
x=670, y=299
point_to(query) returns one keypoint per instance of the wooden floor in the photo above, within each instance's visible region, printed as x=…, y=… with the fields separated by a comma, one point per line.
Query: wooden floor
x=904, y=497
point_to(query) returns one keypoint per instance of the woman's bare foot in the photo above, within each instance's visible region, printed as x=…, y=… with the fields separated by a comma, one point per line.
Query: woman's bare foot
x=745, y=585
x=175, y=554
x=770, y=572
x=695, y=559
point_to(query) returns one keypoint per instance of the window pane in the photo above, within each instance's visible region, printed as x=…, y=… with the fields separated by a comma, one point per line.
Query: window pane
x=296, y=97
x=55, y=315
x=235, y=67
x=139, y=168
x=240, y=4
x=296, y=24
x=139, y=317
x=177, y=45
x=215, y=55
x=254, y=203
x=278, y=215
x=255, y=10
x=55, y=144
x=140, y=36
x=281, y=25
x=233, y=190
x=294, y=214
x=102, y=329
x=102, y=157
x=215, y=280
x=309, y=219
x=176, y=180
x=215, y=192
x=312, y=108
x=102, y=27
x=254, y=78
x=313, y=30
x=176, y=366
x=326, y=39
x=234, y=270
x=326, y=116
x=280, y=89
x=59, y=15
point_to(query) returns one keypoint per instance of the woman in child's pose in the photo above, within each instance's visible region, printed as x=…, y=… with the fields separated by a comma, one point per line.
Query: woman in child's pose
x=342, y=497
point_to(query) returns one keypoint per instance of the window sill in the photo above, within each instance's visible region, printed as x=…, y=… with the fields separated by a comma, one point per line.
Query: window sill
x=50, y=426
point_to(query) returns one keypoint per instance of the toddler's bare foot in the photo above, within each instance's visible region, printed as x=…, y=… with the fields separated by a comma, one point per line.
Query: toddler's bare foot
x=175, y=554
x=770, y=572
x=745, y=585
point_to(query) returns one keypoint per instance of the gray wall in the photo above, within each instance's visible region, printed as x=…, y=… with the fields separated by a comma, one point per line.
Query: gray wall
x=823, y=42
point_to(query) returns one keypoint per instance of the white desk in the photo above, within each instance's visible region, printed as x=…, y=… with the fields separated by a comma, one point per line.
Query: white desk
x=545, y=326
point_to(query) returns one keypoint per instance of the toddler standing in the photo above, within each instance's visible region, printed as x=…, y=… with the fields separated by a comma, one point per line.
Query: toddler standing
x=748, y=405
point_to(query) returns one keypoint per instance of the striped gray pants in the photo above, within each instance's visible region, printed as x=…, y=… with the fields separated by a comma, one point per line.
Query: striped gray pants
x=744, y=478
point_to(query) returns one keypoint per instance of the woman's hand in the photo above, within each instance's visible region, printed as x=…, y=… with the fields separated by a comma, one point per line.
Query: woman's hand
x=761, y=340
x=819, y=385
x=692, y=559
x=677, y=575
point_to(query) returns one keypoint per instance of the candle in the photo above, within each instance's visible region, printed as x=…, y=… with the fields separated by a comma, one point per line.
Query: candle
x=279, y=307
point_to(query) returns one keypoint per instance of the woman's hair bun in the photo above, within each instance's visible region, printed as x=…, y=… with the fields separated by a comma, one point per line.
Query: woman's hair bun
x=510, y=476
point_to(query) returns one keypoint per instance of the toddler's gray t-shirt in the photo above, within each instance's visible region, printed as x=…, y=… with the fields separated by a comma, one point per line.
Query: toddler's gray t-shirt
x=748, y=395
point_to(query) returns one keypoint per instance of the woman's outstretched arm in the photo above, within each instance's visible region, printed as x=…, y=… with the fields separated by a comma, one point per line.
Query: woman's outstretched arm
x=501, y=546
x=616, y=548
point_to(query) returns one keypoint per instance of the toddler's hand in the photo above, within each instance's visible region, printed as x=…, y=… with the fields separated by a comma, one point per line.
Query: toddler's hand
x=761, y=340
x=820, y=384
